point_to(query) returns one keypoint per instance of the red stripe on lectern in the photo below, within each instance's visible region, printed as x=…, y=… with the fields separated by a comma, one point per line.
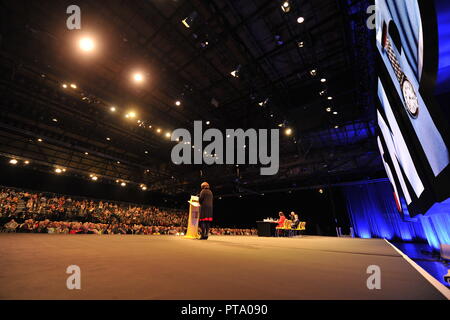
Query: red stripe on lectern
x=206, y=219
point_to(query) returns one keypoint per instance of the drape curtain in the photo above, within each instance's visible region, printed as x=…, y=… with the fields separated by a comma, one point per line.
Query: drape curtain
x=373, y=214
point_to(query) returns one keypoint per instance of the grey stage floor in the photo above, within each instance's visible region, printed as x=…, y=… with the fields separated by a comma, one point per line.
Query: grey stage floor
x=33, y=266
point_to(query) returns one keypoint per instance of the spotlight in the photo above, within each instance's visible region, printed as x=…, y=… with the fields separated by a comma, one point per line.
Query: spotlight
x=189, y=19
x=55, y=120
x=288, y=131
x=58, y=170
x=131, y=115
x=235, y=73
x=300, y=44
x=112, y=109
x=26, y=162
x=178, y=103
x=86, y=153
x=336, y=127
x=313, y=72
x=13, y=161
x=323, y=80
x=286, y=7
x=168, y=134
x=86, y=44
x=94, y=178
x=335, y=112
x=330, y=98
x=208, y=123
x=123, y=184
x=328, y=109
x=40, y=140
x=73, y=86
x=158, y=130
x=300, y=20
x=108, y=138
x=138, y=77
x=64, y=86
x=320, y=190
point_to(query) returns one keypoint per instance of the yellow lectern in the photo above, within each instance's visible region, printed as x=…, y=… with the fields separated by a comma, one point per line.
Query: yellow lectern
x=194, y=213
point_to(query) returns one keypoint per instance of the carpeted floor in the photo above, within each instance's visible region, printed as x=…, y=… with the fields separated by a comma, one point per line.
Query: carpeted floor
x=33, y=266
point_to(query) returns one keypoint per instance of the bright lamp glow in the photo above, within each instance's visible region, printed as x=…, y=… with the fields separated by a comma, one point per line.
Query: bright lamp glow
x=300, y=20
x=288, y=131
x=138, y=77
x=58, y=170
x=87, y=44
x=13, y=161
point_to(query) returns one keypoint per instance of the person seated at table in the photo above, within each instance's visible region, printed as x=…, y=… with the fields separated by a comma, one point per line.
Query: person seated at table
x=281, y=220
x=295, y=221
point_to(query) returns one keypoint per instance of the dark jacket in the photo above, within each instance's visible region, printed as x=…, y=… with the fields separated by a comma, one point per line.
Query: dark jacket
x=206, y=204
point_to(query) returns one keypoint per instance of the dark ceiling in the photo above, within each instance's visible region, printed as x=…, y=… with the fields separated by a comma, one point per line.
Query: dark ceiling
x=275, y=55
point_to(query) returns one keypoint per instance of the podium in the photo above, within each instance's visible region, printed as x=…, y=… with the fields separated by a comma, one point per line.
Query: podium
x=194, y=214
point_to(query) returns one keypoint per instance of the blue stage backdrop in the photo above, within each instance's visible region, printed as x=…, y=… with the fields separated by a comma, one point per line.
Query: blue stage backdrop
x=373, y=214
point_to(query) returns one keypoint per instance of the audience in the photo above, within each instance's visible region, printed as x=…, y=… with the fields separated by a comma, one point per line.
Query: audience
x=23, y=211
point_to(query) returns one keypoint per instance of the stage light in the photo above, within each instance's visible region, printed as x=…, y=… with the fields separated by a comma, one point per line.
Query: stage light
x=86, y=44
x=40, y=140
x=335, y=112
x=58, y=170
x=336, y=127
x=144, y=188
x=146, y=152
x=112, y=109
x=300, y=44
x=313, y=72
x=168, y=134
x=323, y=80
x=158, y=130
x=138, y=77
x=26, y=162
x=320, y=190
x=118, y=162
x=108, y=138
x=64, y=86
x=55, y=120
x=117, y=181
x=123, y=184
x=280, y=125
x=86, y=153
x=13, y=161
x=286, y=7
x=208, y=123
x=300, y=20
x=288, y=131
x=328, y=109
x=94, y=178
x=330, y=98
x=73, y=85
x=178, y=103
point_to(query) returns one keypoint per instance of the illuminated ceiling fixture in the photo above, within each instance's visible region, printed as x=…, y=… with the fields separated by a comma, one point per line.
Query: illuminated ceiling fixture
x=208, y=123
x=13, y=161
x=286, y=7
x=64, y=86
x=330, y=98
x=131, y=114
x=55, y=120
x=336, y=127
x=328, y=109
x=123, y=184
x=313, y=72
x=94, y=177
x=288, y=131
x=168, y=134
x=112, y=109
x=86, y=153
x=178, y=103
x=86, y=44
x=158, y=130
x=320, y=190
x=300, y=44
x=300, y=20
x=138, y=77
x=73, y=85
x=108, y=138
x=322, y=93
x=187, y=22
x=146, y=152
x=58, y=170
x=235, y=73
x=40, y=140
x=335, y=112
x=26, y=162
x=323, y=80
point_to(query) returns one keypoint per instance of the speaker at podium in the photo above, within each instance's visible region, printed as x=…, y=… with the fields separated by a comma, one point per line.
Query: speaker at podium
x=194, y=215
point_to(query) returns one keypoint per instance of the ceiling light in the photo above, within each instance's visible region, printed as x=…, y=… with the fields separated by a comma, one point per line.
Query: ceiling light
x=313, y=72
x=300, y=44
x=112, y=109
x=55, y=120
x=336, y=127
x=73, y=86
x=158, y=130
x=300, y=20
x=144, y=188
x=39, y=140
x=288, y=131
x=131, y=115
x=138, y=77
x=108, y=138
x=123, y=184
x=86, y=153
x=58, y=170
x=328, y=109
x=208, y=123
x=330, y=98
x=13, y=161
x=168, y=134
x=94, y=178
x=178, y=103
x=118, y=162
x=187, y=22
x=86, y=44
x=323, y=80
x=286, y=7
x=26, y=162
x=64, y=85
x=335, y=112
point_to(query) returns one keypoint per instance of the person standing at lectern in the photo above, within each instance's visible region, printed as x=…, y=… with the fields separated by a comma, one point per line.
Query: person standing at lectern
x=206, y=210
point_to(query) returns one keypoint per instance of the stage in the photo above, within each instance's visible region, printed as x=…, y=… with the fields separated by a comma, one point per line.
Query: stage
x=33, y=266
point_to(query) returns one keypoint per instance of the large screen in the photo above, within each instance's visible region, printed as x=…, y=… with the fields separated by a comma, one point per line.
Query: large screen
x=413, y=43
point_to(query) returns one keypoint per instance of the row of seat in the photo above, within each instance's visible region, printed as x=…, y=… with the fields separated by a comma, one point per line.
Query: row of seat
x=287, y=231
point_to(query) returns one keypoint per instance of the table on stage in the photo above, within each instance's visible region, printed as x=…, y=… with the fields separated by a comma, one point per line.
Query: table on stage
x=266, y=229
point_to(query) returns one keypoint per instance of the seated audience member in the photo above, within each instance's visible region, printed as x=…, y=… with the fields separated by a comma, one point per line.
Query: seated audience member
x=11, y=226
